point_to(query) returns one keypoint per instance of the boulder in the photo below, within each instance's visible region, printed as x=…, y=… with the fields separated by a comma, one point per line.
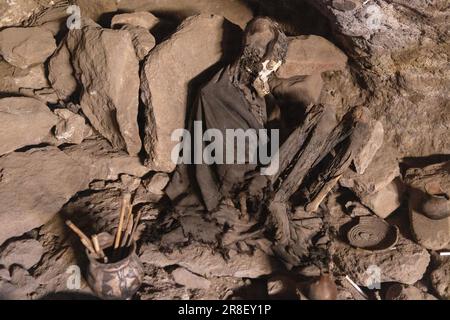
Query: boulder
x=25, y=47
x=235, y=11
x=12, y=13
x=405, y=292
x=34, y=185
x=71, y=127
x=366, y=152
x=311, y=54
x=168, y=70
x=23, y=122
x=107, y=68
x=61, y=73
x=25, y=253
x=405, y=264
x=387, y=200
x=440, y=280
x=190, y=280
x=14, y=79
x=96, y=9
x=101, y=162
x=142, y=19
x=143, y=41
x=380, y=173
x=202, y=260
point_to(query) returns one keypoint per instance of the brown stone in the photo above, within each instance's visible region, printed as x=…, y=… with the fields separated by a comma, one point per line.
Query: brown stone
x=387, y=200
x=107, y=68
x=34, y=185
x=142, y=19
x=24, y=122
x=25, y=47
x=311, y=54
x=61, y=73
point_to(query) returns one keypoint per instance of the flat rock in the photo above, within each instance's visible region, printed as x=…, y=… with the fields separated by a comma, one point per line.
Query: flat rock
x=61, y=73
x=96, y=9
x=34, y=185
x=143, y=41
x=381, y=172
x=190, y=280
x=405, y=292
x=25, y=253
x=440, y=280
x=71, y=127
x=102, y=162
x=311, y=54
x=234, y=10
x=202, y=260
x=24, y=47
x=106, y=66
x=366, y=152
x=23, y=122
x=142, y=19
x=387, y=200
x=405, y=264
x=165, y=82
x=14, y=79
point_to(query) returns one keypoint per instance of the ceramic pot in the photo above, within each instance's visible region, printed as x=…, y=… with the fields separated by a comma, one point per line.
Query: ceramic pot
x=118, y=280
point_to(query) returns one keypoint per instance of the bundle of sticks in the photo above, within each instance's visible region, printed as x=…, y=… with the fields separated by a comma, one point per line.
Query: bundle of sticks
x=125, y=232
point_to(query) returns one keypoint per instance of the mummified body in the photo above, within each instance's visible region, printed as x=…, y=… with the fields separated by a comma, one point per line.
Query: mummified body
x=313, y=155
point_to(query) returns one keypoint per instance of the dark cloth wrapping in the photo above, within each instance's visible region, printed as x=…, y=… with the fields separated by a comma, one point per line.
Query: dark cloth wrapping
x=220, y=105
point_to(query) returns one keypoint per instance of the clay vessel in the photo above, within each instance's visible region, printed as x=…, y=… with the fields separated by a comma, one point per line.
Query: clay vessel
x=118, y=280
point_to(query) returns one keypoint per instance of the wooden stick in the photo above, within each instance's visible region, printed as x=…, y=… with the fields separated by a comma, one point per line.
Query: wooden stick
x=127, y=232
x=99, y=249
x=133, y=231
x=127, y=225
x=125, y=203
x=83, y=238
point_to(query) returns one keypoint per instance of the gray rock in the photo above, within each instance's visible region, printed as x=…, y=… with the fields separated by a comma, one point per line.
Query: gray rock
x=190, y=280
x=200, y=259
x=106, y=66
x=406, y=263
x=25, y=253
x=165, y=78
x=61, y=73
x=143, y=41
x=25, y=47
x=101, y=162
x=142, y=19
x=23, y=122
x=387, y=200
x=308, y=55
x=440, y=280
x=71, y=127
x=34, y=185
